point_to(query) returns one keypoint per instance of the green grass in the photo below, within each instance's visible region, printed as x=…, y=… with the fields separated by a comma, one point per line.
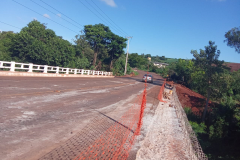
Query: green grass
x=135, y=73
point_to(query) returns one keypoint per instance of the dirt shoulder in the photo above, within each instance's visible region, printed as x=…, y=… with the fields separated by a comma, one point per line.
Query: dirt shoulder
x=191, y=99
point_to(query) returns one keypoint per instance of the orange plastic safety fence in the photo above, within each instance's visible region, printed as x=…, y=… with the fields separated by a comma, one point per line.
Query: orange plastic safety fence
x=116, y=142
x=161, y=92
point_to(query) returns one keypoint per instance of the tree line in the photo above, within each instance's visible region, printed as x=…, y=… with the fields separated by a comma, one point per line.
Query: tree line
x=97, y=47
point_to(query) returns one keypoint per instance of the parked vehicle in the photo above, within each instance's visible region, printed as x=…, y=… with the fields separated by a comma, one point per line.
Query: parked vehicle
x=148, y=78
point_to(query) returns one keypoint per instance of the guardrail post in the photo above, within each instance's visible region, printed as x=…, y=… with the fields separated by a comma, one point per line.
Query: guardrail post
x=45, y=69
x=88, y=72
x=93, y=72
x=75, y=71
x=57, y=70
x=12, y=66
x=30, y=69
x=67, y=71
x=1, y=64
x=98, y=73
x=82, y=71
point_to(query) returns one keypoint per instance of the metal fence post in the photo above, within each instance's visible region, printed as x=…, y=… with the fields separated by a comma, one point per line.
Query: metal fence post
x=12, y=66
x=30, y=69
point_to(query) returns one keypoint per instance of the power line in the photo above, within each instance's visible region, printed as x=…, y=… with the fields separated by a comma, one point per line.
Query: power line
x=45, y=17
x=61, y=13
x=54, y=13
x=91, y=11
x=107, y=16
x=10, y=25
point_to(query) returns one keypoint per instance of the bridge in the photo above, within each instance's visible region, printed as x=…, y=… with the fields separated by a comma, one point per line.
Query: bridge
x=92, y=118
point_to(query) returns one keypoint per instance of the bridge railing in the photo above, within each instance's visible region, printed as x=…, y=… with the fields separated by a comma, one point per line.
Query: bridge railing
x=30, y=67
x=194, y=148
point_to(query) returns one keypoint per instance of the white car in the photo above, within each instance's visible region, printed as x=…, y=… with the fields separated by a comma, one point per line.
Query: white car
x=148, y=78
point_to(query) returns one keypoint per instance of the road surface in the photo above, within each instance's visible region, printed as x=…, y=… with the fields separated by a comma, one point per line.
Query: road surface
x=39, y=114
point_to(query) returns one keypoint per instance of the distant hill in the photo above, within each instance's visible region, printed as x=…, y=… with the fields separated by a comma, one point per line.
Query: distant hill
x=165, y=60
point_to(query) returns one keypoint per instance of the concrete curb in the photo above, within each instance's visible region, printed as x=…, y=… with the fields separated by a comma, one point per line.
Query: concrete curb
x=34, y=74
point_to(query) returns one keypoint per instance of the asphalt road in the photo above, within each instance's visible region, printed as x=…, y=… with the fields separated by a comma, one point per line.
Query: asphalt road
x=39, y=114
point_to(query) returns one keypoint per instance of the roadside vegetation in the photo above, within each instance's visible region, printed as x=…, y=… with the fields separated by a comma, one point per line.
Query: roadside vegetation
x=217, y=126
x=96, y=48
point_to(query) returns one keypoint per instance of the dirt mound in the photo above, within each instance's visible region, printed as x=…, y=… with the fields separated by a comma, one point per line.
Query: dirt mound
x=191, y=99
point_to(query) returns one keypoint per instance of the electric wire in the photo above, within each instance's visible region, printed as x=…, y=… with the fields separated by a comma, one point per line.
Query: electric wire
x=45, y=17
x=10, y=25
x=55, y=14
x=105, y=18
x=61, y=13
x=108, y=17
x=91, y=11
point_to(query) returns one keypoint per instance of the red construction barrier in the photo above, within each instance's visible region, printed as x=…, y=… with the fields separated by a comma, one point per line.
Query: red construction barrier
x=116, y=142
x=161, y=92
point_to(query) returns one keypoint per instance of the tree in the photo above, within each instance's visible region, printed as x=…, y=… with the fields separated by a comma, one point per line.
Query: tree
x=119, y=66
x=163, y=58
x=233, y=38
x=97, y=37
x=83, y=47
x=6, y=44
x=208, y=61
x=116, y=45
x=37, y=44
x=138, y=61
x=184, y=70
x=148, y=55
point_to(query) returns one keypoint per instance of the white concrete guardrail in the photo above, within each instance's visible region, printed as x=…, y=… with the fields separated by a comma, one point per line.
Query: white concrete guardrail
x=29, y=67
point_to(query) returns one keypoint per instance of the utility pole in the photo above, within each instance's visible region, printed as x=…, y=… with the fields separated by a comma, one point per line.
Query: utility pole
x=127, y=56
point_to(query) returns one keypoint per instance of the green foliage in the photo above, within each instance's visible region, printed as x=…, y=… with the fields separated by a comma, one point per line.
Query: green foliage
x=135, y=73
x=6, y=43
x=119, y=66
x=198, y=128
x=207, y=61
x=138, y=61
x=37, y=44
x=233, y=38
x=102, y=39
x=219, y=135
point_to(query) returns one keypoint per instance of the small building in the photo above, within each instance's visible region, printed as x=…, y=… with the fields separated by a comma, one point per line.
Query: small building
x=149, y=58
x=160, y=65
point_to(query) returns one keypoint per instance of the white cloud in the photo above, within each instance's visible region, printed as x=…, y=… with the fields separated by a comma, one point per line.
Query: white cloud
x=46, y=15
x=110, y=3
x=59, y=15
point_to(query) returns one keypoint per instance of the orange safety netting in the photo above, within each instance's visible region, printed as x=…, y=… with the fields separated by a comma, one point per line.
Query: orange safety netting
x=117, y=140
x=161, y=92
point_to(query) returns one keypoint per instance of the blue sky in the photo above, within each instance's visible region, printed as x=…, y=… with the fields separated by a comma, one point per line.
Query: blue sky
x=170, y=28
